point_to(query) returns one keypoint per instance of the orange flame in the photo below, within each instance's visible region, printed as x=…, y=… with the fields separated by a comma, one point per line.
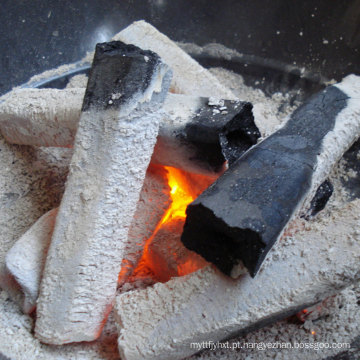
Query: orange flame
x=180, y=197
x=184, y=188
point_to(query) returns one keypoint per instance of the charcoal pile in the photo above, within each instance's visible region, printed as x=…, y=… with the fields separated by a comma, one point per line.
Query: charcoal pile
x=181, y=214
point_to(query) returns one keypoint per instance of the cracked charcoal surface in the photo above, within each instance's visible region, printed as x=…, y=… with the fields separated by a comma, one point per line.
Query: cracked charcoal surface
x=239, y=135
x=241, y=215
x=214, y=136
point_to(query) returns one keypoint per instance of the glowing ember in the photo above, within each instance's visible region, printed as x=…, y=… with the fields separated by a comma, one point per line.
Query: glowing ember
x=185, y=187
x=173, y=259
x=179, y=195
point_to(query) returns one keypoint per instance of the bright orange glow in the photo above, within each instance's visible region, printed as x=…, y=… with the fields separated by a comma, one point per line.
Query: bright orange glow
x=305, y=311
x=313, y=333
x=179, y=194
x=184, y=188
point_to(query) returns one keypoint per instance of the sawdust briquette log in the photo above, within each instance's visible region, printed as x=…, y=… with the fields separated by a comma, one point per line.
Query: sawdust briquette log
x=41, y=117
x=167, y=257
x=162, y=322
x=113, y=146
x=240, y=217
x=188, y=136
x=189, y=77
x=26, y=259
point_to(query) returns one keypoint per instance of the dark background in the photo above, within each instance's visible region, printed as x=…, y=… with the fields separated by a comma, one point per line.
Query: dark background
x=37, y=35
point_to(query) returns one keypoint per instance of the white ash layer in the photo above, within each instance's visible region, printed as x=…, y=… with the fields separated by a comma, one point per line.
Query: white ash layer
x=24, y=122
x=50, y=117
x=162, y=321
x=111, y=154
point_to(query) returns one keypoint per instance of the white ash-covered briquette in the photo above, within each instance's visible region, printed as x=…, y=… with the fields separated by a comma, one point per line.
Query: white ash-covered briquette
x=113, y=146
x=41, y=117
x=49, y=117
x=161, y=322
x=237, y=220
x=189, y=77
x=25, y=261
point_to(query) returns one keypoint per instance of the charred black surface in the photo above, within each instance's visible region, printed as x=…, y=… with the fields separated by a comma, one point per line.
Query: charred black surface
x=239, y=134
x=222, y=240
x=220, y=132
x=352, y=166
x=260, y=192
x=118, y=72
x=322, y=196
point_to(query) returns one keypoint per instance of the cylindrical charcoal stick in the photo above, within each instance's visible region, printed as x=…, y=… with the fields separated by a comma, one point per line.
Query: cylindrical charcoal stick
x=238, y=219
x=113, y=146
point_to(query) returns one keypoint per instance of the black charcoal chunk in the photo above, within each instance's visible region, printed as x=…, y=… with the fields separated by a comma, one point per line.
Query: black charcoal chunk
x=218, y=133
x=239, y=134
x=240, y=217
x=351, y=166
x=322, y=196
